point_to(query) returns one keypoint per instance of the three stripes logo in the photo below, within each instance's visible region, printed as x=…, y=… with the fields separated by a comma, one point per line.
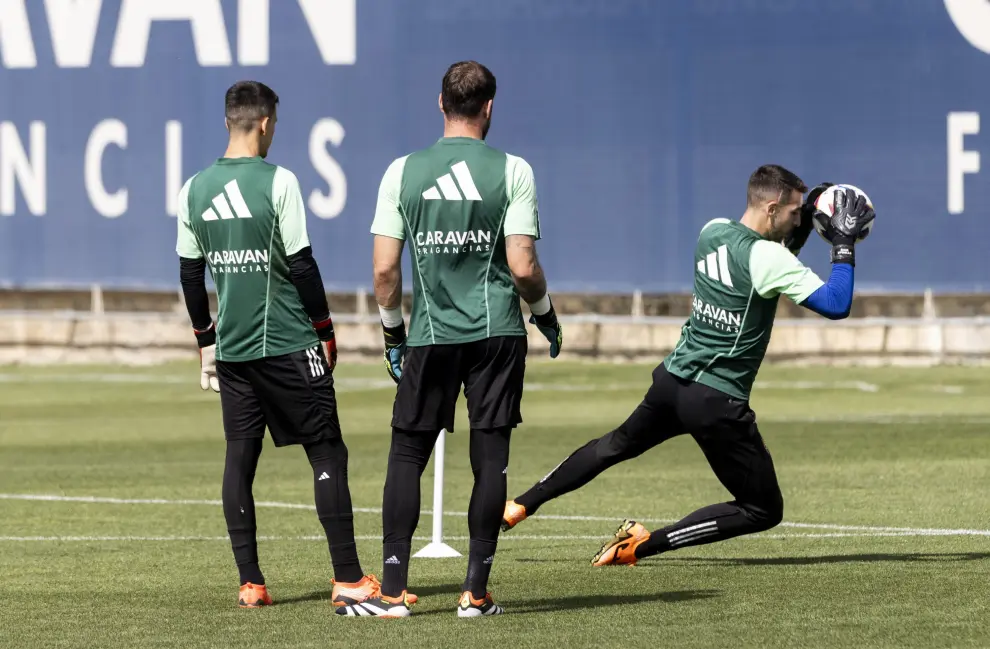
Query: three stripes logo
x=694, y=533
x=716, y=266
x=228, y=209
x=448, y=189
x=315, y=362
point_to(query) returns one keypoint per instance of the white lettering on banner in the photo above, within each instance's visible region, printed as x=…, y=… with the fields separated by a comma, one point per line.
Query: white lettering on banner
x=252, y=32
x=960, y=161
x=334, y=27
x=107, y=132
x=130, y=45
x=330, y=205
x=16, y=46
x=18, y=167
x=73, y=27
x=173, y=166
x=972, y=19
x=24, y=168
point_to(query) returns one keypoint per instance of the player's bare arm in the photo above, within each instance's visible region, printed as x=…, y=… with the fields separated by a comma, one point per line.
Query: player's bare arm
x=387, y=262
x=524, y=264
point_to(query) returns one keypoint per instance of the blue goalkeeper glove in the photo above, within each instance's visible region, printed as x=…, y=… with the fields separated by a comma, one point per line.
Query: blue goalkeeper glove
x=550, y=327
x=395, y=349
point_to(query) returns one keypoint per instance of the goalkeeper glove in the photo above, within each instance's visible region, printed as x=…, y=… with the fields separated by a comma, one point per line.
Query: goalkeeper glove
x=324, y=331
x=799, y=235
x=207, y=341
x=395, y=349
x=850, y=215
x=550, y=327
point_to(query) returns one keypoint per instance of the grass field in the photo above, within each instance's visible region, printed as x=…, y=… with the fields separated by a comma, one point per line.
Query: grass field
x=885, y=473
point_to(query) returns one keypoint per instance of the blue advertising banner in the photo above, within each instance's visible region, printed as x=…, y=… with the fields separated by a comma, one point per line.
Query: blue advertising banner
x=642, y=121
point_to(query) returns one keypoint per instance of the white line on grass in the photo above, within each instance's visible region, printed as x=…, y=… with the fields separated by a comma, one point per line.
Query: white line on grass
x=375, y=384
x=502, y=537
x=345, y=385
x=861, y=386
x=867, y=529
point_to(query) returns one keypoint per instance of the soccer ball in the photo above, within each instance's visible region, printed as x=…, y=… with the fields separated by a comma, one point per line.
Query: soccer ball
x=825, y=205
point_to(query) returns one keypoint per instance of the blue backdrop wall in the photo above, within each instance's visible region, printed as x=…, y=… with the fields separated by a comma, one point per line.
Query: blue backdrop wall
x=642, y=120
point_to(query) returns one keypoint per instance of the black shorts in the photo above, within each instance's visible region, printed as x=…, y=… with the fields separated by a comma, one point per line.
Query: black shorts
x=723, y=426
x=292, y=395
x=490, y=370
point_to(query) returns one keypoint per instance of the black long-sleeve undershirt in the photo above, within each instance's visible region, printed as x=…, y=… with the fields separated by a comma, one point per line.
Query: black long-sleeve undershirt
x=192, y=275
x=305, y=276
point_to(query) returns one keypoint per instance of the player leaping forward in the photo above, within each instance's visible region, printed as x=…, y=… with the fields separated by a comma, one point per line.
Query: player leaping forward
x=469, y=214
x=245, y=219
x=702, y=388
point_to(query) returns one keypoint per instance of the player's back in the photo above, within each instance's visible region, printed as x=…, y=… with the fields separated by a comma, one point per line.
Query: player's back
x=724, y=341
x=454, y=198
x=235, y=208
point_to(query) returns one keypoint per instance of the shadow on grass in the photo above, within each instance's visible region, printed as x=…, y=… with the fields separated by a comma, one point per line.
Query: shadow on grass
x=811, y=561
x=421, y=591
x=577, y=602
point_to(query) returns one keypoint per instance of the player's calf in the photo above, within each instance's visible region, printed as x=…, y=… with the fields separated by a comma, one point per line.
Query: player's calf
x=712, y=524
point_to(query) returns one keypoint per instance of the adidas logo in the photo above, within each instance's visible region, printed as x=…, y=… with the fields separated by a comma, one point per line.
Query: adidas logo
x=223, y=207
x=449, y=188
x=393, y=560
x=323, y=476
x=716, y=266
x=489, y=560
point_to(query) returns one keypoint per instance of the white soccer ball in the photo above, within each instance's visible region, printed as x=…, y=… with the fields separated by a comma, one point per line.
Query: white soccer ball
x=825, y=206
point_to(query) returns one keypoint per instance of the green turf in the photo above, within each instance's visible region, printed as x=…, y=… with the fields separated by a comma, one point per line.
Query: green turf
x=901, y=448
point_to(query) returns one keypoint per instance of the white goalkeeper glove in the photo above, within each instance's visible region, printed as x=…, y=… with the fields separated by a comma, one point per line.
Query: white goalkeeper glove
x=208, y=358
x=208, y=368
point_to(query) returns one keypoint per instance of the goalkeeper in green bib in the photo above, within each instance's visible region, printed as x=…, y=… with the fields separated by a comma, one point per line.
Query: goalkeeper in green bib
x=468, y=213
x=703, y=386
x=272, y=351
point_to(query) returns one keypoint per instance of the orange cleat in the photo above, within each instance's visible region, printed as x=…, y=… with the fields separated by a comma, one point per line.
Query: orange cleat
x=253, y=596
x=620, y=550
x=513, y=515
x=349, y=594
x=468, y=606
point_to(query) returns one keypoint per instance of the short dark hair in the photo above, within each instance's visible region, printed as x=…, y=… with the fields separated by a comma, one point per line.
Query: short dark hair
x=769, y=182
x=247, y=102
x=467, y=87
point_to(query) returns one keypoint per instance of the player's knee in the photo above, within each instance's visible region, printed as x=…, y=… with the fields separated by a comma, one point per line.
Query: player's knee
x=768, y=513
x=327, y=453
x=489, y=452
x=411, y=447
